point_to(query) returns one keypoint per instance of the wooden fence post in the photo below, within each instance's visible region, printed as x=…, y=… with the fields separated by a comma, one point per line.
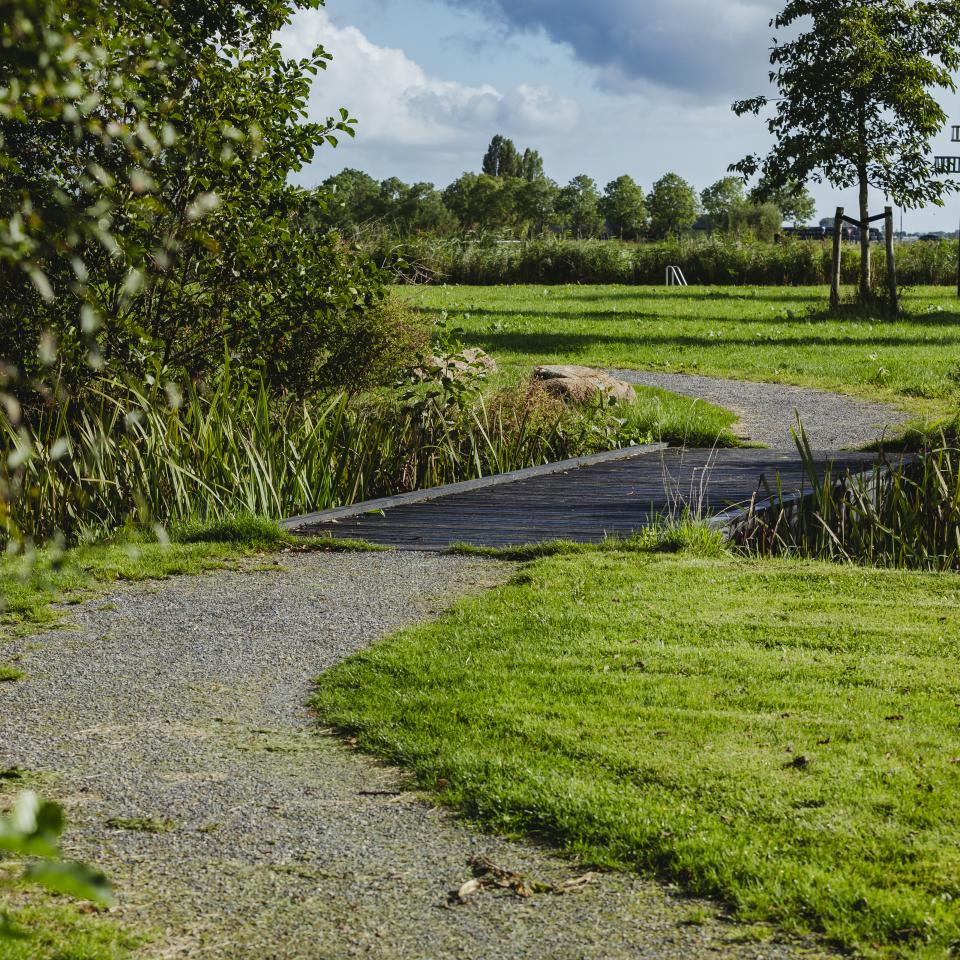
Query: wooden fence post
x=835, y=266
x=891, y=263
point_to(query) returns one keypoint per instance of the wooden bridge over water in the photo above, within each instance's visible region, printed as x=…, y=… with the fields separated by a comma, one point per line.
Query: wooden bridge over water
x=587, y=500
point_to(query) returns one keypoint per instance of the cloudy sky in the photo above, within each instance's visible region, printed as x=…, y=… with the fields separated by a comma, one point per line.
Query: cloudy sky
x=603, y=88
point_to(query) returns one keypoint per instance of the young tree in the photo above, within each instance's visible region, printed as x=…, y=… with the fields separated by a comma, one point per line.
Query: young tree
x=673, y=206
x=855, y=105
x=624, y=206
x=502, y=158
x=720, y=200
x=793, y=200
x=531, y=165
x=579, y=205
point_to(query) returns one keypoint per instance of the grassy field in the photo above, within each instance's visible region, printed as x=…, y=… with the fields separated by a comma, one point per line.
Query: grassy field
x=781, y=735
x=763, y=333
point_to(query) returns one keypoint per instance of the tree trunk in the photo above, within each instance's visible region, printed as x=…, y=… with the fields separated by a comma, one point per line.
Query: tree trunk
x=864, y=237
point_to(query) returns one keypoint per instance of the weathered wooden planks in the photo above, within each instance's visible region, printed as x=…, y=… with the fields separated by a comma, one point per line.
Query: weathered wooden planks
x=587, y=504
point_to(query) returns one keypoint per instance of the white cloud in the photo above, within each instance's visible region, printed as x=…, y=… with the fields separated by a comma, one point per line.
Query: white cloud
x=398, y=103
x=533, y=109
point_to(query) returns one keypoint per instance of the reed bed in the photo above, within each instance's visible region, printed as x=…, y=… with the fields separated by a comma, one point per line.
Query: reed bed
x=715, y=262
x=904, y=512
x=129, y=453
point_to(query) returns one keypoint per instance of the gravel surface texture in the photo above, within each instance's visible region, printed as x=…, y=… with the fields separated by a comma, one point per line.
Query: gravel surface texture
x=767, y=411
x=171, y=721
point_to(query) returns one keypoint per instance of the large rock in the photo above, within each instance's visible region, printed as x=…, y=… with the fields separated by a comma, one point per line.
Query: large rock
x=574, y=384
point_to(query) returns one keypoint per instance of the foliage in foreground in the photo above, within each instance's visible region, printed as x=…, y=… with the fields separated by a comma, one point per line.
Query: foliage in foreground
x=31, y=832
x=781, y=735
x=145, y=208
x=148, y=228
x=37, y=922
x=904, y=512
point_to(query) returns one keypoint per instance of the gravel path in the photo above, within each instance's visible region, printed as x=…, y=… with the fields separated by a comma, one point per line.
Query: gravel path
x=767, y=411
x=243, y=831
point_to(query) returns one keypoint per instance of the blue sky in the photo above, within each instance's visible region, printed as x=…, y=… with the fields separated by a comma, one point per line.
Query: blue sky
x=607, y=87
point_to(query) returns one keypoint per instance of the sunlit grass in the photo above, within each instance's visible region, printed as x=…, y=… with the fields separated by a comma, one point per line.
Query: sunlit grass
x=781, y=735
x=762, y=333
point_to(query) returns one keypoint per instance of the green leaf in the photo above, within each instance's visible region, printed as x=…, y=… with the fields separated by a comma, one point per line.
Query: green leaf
x=72, y=879
x=32, y=827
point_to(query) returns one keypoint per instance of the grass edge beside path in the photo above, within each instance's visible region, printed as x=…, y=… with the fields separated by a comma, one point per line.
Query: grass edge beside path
x=792, y=751
x=31, y=587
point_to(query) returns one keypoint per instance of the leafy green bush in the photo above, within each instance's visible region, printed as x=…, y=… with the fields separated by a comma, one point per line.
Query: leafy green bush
x=205, y=249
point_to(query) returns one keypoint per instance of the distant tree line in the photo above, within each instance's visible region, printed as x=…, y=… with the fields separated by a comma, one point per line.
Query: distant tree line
x=512, y=196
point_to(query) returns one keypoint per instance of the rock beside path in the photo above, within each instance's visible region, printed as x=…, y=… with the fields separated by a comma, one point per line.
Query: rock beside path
x=574, y=385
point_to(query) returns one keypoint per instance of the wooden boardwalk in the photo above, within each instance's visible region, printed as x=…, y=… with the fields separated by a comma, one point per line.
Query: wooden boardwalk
x=586, y=503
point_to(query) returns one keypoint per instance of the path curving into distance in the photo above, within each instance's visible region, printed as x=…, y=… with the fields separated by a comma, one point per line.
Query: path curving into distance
x=172, y=720
x=767, y=411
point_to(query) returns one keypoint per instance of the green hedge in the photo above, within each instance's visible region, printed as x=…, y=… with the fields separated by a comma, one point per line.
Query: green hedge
x=794, y=263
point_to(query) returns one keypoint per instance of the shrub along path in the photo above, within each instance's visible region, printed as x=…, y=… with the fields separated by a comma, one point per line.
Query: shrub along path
x=173, y=723
x=767, y=411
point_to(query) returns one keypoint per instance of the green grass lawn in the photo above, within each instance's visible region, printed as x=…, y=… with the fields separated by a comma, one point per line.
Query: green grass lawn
x=658, y=415
x=762, y=333
x=56, y=929
x=783, y=735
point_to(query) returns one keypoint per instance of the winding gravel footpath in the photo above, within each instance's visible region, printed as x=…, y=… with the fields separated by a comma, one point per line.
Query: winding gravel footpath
x=184, y=701
x=767, y=411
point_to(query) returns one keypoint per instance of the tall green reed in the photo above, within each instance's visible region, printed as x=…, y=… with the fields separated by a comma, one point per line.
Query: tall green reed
x=704, y=261
x=903, y=512
x=144, y=453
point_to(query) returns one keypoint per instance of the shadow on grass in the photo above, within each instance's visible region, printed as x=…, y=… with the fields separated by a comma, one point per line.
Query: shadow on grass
x=852, y=313
x=539, y=343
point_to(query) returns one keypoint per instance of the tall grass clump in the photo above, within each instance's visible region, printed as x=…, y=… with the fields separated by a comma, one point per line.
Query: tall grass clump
x=904, y=512
x=125, y=452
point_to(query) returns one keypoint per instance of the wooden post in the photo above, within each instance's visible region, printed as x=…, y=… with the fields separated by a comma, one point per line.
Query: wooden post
x=835, y=266
x=891, y=263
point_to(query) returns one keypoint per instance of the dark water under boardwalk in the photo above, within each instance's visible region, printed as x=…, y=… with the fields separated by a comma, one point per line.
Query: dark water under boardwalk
x=584, y=504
